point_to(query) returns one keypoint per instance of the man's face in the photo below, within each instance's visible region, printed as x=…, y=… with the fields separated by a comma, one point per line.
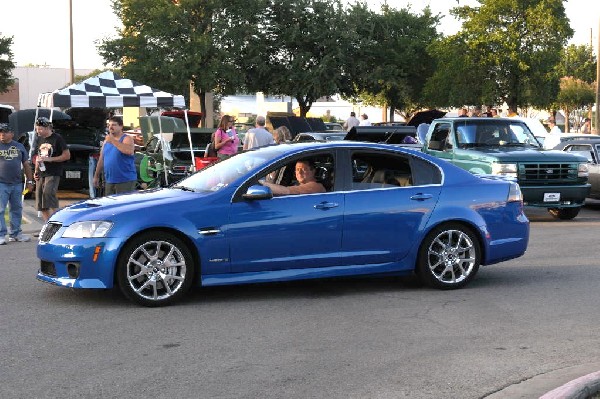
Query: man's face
x=114, y=127
x=6, y=137
x=42, y=131
x=304, y=173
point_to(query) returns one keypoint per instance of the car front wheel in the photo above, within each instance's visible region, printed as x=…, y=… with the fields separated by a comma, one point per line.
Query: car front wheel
x=449, y=257
x=564, y=213
x=155, y=269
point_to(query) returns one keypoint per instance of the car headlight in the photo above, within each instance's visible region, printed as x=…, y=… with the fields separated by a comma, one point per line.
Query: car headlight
x=89, y=229
x=582, y=170
x=504, y=169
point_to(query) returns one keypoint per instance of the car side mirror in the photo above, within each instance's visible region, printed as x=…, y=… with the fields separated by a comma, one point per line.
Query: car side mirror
x=258, y=192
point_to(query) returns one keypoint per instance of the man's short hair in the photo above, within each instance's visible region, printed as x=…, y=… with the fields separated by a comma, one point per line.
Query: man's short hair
x=352, y=113
x=309, y=161
x=116, y=119
x=260, y=120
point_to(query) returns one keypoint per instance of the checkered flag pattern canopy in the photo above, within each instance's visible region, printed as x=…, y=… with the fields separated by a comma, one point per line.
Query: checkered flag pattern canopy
x=109, y=90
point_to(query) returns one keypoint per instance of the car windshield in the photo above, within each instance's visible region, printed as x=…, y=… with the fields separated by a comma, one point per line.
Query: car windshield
x=478, y=133
x=223, y=173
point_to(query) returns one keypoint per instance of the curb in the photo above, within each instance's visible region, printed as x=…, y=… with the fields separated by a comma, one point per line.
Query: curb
x=580, y=388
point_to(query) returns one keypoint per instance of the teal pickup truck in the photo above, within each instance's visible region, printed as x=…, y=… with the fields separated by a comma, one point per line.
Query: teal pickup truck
x=554, y=180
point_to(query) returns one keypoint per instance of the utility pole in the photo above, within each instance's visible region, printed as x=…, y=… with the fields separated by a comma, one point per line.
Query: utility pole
x=597, y=118
x=71, y=65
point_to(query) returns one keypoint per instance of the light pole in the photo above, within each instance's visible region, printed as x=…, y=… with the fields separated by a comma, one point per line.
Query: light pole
x=71, y=67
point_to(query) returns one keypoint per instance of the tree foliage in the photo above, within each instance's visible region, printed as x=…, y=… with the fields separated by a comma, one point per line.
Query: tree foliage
x=299, y=51
x=506, y=51
x=390, y=63
x=575, y=94
x=578, y=62
x=6, y=63
x=168, y=43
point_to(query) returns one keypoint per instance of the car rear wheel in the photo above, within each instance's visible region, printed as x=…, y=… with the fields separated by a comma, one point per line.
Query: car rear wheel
x=155, y=269
x=449, y=257
x=564, y=213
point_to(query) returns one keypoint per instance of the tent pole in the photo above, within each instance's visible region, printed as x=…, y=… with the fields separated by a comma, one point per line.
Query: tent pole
x=189, y=133
x=162, y=145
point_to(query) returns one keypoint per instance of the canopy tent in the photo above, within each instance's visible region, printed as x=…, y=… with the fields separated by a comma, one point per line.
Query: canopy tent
x=109, y=90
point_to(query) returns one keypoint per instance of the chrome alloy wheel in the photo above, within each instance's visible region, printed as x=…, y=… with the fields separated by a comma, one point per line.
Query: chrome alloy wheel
x=451, y=256
x=156, y=270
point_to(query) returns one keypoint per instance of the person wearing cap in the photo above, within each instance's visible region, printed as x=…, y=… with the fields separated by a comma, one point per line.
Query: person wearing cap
x=13, y=162
x=52, y=152
x=364, y=120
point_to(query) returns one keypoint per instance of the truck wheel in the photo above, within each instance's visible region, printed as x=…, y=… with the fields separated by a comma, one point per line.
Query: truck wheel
x=564, y=213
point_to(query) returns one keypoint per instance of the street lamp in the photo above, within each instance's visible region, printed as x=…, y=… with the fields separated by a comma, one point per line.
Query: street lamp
x=71, y=67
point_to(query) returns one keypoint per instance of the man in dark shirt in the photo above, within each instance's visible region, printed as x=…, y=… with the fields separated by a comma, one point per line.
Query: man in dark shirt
x=52, y=152
x=13, y=162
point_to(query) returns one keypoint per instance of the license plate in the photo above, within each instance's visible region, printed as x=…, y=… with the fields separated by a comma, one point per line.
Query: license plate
x=551, y=197
x=73, y=174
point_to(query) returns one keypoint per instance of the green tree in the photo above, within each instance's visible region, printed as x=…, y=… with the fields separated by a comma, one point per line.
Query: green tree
x=578, y=62
x=574, y=95
x=300, y=51
x=390, y=63
x=169, y=43
x=6, y=63
x=506, y=51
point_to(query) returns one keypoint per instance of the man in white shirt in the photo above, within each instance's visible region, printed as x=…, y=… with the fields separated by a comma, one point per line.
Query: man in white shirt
x=351, y=122
x=258, y=136
x=553, y=138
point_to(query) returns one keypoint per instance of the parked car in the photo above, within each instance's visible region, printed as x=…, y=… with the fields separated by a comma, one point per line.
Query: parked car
x=319, y=136
x=334, y=127
x=589, y=148
x=409, y=213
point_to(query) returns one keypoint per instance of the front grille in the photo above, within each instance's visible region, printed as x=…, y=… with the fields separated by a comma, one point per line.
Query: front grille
x=48, y=231
x=47, y=268
x=547, y=172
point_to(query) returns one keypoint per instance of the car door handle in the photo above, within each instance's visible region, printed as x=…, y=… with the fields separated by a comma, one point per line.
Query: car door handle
x=421, y=197
x=326, y=205
x=210, y=231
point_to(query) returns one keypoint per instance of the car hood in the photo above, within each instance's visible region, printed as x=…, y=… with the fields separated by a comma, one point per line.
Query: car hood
x=523, y=154
x=131, y=205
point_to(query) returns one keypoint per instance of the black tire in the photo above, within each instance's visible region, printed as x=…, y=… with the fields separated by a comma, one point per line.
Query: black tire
x=449, y=257
x=564, y=213
x=155, y=269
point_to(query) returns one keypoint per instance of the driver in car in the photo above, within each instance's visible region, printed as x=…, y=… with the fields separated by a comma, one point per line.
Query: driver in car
x=307, y=183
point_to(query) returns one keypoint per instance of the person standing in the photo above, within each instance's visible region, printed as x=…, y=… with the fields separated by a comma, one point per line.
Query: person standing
x=586, y=128
x=351, y=122
x=282, y=135
x=225, y=138
x=258, y=136
x=365, y=120
x=553, y=138
x=52, y=152
x=117, y=160
x=13, y=162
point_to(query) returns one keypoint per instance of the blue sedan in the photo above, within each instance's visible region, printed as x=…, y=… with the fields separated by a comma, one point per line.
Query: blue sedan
x=386, y=211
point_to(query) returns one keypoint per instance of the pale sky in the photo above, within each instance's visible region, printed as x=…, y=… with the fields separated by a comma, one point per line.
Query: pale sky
x=41, y=27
